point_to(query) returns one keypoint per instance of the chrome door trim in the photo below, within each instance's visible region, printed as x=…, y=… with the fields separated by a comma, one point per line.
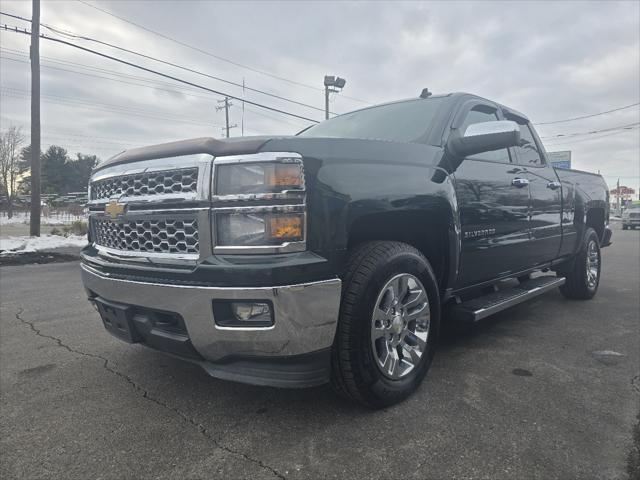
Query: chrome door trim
x=520, y=182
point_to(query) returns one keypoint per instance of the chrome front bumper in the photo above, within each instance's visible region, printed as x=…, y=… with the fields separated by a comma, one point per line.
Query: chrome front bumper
x=305, y=315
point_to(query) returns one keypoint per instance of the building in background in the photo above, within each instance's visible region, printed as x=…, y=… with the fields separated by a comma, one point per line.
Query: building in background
x=622, y=196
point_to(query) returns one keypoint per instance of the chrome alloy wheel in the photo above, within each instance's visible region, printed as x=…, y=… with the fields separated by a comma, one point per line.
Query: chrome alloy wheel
x=593, y=264
x=400, y=325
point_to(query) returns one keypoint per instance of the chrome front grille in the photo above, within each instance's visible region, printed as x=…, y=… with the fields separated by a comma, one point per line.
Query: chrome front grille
x=162, y=182
x=175, y=236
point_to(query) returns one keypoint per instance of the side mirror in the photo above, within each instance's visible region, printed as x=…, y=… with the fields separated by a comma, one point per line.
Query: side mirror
x=484, y=137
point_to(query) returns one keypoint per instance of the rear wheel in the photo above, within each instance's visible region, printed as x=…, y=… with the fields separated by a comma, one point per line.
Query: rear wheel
x=388, y=327
x=583, y=277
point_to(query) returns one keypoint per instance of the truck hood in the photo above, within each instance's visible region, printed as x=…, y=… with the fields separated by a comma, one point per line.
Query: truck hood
x=314, y=147
x=212, y=146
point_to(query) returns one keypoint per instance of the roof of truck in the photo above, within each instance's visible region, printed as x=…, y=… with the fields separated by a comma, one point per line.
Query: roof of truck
x=453, y=96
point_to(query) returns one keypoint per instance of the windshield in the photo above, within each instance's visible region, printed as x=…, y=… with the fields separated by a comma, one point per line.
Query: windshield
x=405, y=121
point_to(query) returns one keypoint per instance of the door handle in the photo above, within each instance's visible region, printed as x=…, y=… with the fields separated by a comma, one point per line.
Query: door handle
x=553, y=185
x=519, y=182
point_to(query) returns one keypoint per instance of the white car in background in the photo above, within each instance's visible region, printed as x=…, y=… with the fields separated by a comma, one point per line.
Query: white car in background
x=631, y=216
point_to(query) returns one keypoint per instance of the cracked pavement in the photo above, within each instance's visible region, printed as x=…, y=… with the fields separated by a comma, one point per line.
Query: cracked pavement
x=548, y=389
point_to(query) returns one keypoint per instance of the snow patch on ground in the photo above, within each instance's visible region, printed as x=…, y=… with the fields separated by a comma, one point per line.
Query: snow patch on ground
x=12, y=245
x=609, y=352
x=22, y=217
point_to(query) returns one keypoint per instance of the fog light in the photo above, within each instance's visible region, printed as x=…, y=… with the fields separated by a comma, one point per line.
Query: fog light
x=251, y=312
x=242, y=314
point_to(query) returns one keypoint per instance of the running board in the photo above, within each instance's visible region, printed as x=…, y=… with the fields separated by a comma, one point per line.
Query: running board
x=482, y=307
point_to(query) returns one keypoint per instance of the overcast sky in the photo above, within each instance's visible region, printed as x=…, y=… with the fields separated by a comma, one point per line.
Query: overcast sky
x=550, y=60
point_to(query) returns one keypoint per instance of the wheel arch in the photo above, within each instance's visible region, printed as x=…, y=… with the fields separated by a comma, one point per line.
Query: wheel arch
x=431, y=231
x=596, y=218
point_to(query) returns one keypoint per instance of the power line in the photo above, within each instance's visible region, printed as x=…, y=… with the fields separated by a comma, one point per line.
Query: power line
x=576, y=134
x=19, y=53
x=266, y=115
x=205, y=52
x=112, y=108
x=589, y=116
x=580, y=140
x=16, y=30
x=156, y=72
x=176, y=90
x=78, y=100
x=71, y=34
x=165, y=62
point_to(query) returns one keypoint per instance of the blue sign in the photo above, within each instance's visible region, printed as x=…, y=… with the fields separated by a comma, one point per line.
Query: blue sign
x=562, y=164
x=560, y=159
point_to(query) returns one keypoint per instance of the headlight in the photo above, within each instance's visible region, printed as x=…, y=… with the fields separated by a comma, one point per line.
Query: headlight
x=259, y=228
x=267, y=191
x=256, y=178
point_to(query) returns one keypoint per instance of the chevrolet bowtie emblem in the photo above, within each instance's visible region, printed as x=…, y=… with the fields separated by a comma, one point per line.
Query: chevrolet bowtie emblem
x=113, y=208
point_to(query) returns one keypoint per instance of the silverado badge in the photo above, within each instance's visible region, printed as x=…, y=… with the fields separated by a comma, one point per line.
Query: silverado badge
x=486, y=232
x=113, y=208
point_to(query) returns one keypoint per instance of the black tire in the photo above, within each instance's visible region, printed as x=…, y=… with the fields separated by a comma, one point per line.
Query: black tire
x=624, y=227
x=355, y=372
x=524, y=278
x=578, y=285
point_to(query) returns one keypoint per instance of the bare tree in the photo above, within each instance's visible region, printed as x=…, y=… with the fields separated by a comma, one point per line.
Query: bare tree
x=10, y=165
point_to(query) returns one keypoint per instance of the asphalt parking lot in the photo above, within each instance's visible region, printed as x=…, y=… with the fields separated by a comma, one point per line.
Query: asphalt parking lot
x=550, y=389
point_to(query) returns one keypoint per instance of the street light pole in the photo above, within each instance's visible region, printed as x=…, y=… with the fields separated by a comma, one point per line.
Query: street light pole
x=326, y=102
x=331, y=85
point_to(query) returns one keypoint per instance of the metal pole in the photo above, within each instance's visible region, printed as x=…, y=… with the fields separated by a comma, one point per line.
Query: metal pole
x=226, y=113
x=34, y=223
x=242, y=134
x=326, y=102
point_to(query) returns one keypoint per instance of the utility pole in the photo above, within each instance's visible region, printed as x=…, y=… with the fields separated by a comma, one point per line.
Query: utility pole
x=242, y=123
x=331, y=85
x=34, y=222
x=226, y=104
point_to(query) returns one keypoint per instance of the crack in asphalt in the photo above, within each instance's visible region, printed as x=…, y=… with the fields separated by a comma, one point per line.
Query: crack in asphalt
x=145, y=394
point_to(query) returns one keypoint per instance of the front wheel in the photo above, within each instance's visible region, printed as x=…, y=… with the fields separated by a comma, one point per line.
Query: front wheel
x=583, y=277
x=388, y=326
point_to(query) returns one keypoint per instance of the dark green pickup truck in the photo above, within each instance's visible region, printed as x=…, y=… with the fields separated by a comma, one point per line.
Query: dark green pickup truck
x=335, y=255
